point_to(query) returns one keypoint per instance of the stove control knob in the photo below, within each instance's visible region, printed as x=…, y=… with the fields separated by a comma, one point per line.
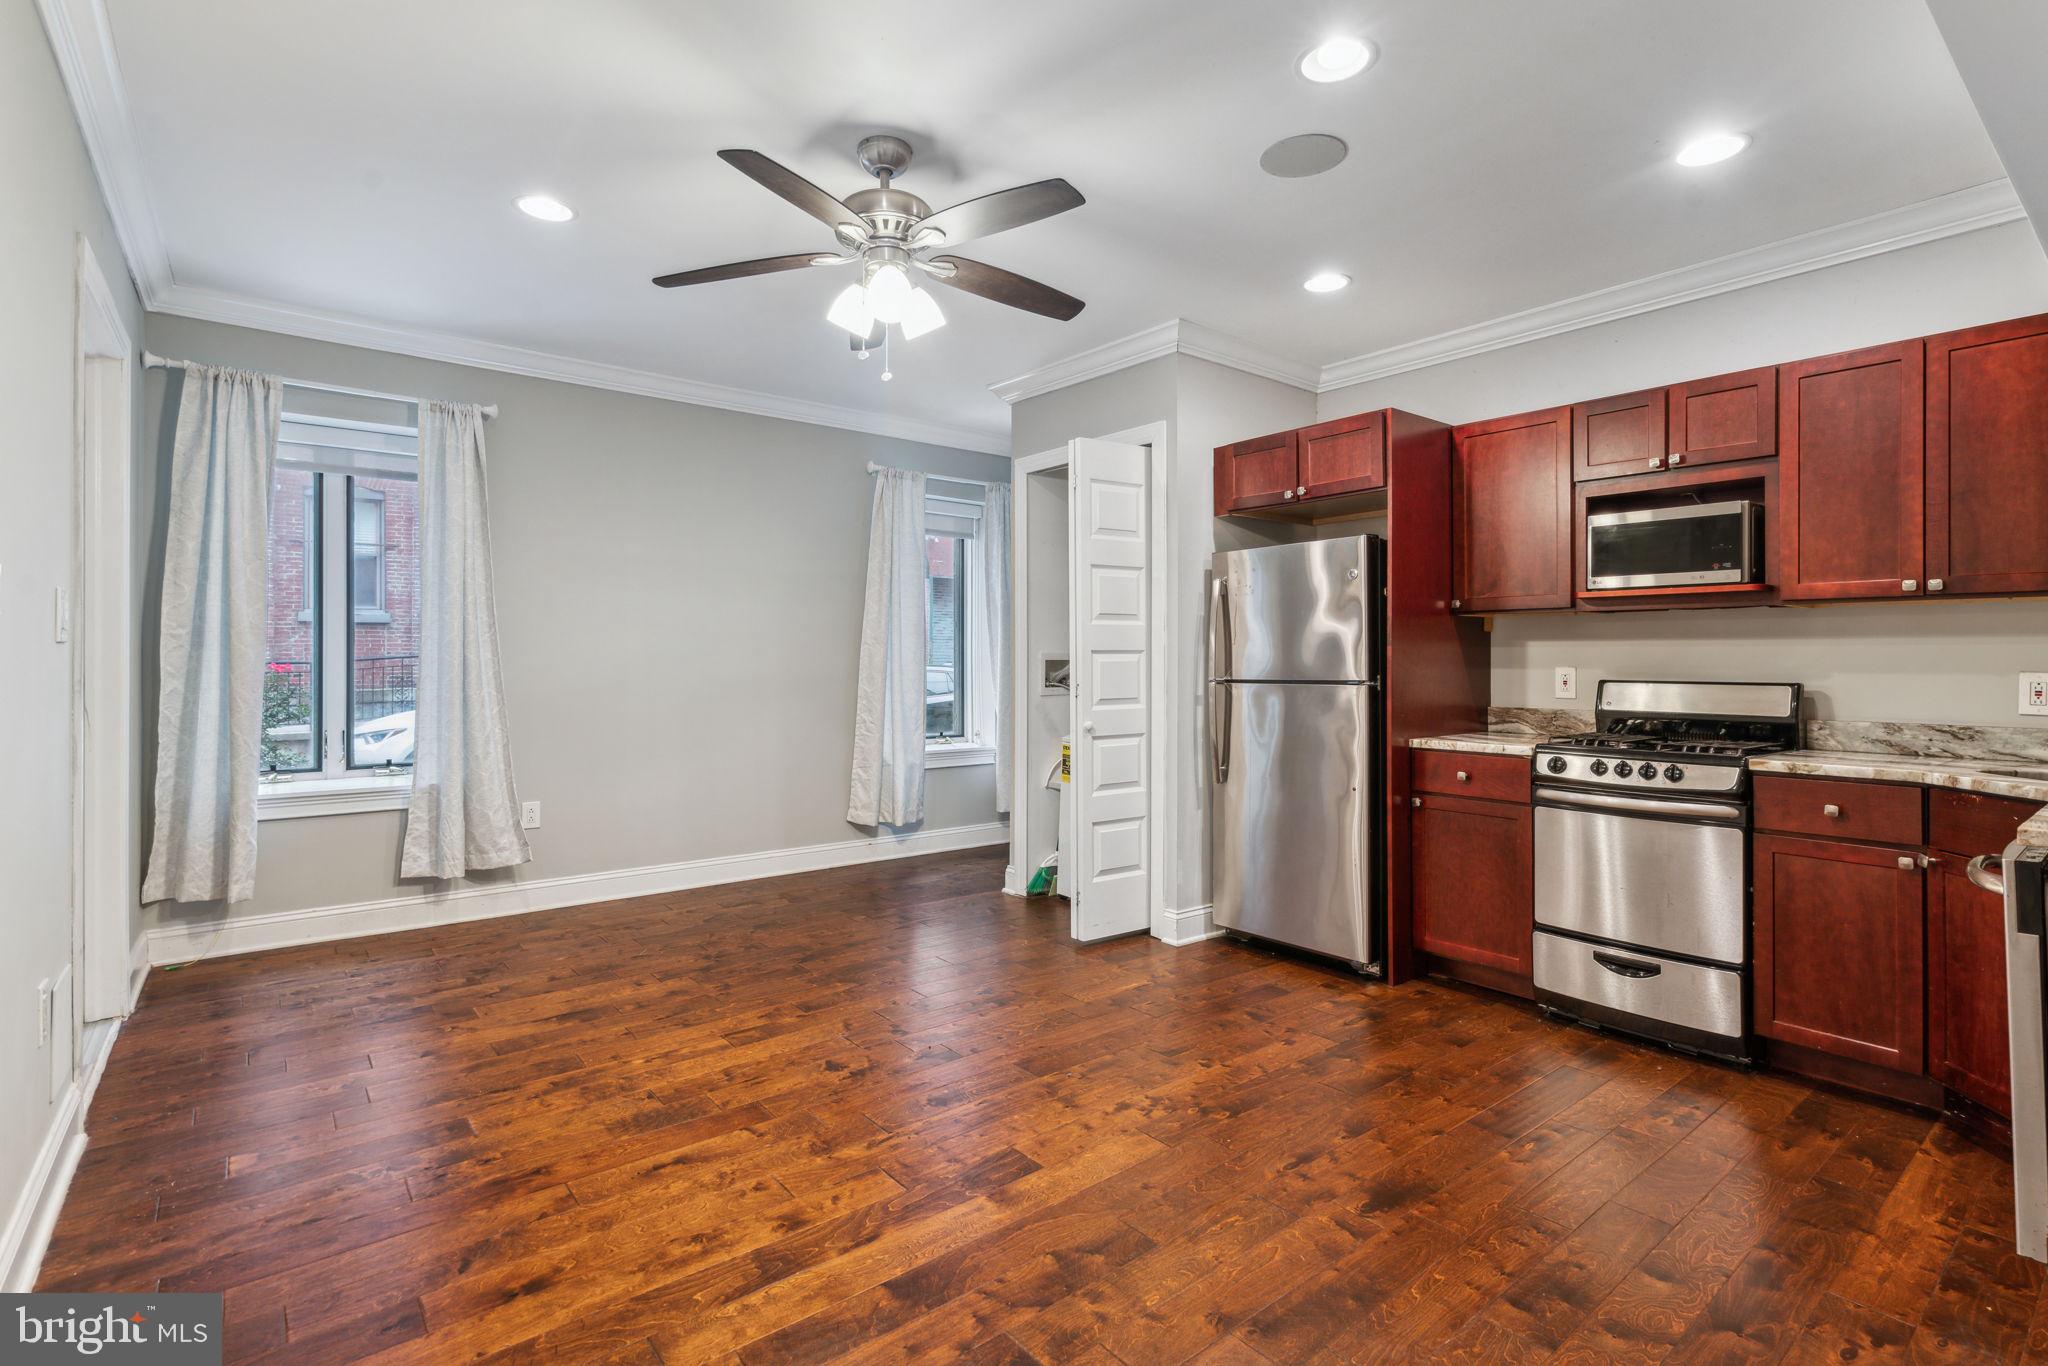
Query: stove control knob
x=1648, y=773
x=1599, y=768
x=1556, y=764
x=1623, y=769
x=1674, y=773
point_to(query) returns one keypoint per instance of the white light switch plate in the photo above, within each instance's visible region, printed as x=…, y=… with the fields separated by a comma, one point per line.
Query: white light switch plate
x=2034, y=694
x=529, y=815
x=1567, y=683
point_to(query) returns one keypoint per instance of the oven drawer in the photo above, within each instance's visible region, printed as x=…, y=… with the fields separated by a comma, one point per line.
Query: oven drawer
x=1878, y=813
x=1494, y=777
x=1639, y=871
x=1647, y=992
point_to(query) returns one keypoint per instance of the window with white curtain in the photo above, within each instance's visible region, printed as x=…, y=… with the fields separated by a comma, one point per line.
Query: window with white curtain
x=959, y=705
x=341, y=663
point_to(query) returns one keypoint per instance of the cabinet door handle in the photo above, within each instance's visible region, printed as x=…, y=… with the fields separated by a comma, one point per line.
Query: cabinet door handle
x=1302, y=489
x=1463, y=776
x=1656, y=462
x=1906, y=861
x=1677, y=459
x=1909, y=585
x=1934, y=585
x=1456, y=604
x=1831, y=811
x=1416, y=800
x=1288, y=494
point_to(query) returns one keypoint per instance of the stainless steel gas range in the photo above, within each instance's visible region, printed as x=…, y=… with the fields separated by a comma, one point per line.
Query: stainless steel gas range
x=1642, y=859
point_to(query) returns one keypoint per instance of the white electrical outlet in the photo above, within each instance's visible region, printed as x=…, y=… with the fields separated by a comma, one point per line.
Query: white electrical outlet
x=2034, y=694
x=1567, y=683
x=529, y=815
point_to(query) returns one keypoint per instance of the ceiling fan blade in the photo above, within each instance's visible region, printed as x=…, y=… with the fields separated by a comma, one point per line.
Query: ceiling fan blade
x=993, y=213
x=739, y=270
x=793, y=187
x=1005, y=287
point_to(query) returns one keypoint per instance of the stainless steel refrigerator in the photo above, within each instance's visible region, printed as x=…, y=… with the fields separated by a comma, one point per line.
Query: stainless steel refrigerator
x=1296, y=650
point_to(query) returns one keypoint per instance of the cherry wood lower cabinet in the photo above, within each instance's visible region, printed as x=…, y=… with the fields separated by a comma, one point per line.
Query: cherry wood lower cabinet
x=1838, y=958
x=1966, y=1024
x=1474, y=881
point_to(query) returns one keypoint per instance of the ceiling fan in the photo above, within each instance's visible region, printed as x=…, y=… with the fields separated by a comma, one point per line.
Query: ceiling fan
x=890, y=233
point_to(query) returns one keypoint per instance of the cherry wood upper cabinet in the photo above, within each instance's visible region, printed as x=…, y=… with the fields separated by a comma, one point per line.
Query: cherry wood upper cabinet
x=1511, y=513
x=1620, y=435
x=1728, y=417
x=1347, y=455
x=1838, y=958
x=1473, y=875
x=1256, y=473
x=1852, y=500
x=1987, y=459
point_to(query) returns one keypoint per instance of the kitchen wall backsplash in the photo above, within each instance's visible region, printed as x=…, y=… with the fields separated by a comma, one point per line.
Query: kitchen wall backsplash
x=1539, y=720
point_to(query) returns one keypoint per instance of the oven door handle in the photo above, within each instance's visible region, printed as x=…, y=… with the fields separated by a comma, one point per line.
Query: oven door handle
x=1625, y=967
x=1719, y=813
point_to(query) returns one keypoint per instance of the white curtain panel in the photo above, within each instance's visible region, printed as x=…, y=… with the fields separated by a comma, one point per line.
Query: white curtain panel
x=210, y=699
x=464, y=814
x=888, y=719
x=995, y=626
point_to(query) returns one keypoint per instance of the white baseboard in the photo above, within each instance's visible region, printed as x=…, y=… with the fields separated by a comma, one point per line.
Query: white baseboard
x=34, y=1217
x=1190, y=925
x=181, y=943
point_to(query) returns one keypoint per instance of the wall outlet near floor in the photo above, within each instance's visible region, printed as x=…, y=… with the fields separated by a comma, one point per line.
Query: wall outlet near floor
x=529, y=815
x=1567, y=682
x=2034, y=694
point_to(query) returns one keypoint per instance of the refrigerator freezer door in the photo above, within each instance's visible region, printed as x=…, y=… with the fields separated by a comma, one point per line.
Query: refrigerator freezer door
x=1292, y=856
x=1293, y=613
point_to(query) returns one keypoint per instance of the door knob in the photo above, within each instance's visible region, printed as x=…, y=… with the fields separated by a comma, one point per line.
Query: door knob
x=1087, y=727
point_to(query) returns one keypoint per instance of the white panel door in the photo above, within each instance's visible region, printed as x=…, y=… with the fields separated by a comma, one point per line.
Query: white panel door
x=1112, y=877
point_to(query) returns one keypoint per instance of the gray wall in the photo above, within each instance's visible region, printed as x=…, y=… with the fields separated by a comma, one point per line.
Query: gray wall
x=1942, y=661
x=53, y=200
x=679, y=600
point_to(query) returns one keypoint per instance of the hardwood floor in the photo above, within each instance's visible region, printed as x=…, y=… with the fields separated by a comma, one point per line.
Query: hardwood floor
x=883, y=1113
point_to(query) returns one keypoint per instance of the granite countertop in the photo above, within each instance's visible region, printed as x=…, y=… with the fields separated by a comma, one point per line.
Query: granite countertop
x=1968, y=775
x=1516, y=742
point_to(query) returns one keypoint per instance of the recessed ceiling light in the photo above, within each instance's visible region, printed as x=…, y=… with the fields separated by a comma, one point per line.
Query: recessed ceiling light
x=1325, y=282
x=545, y=207
x=1336, y=59
x=1712, y=148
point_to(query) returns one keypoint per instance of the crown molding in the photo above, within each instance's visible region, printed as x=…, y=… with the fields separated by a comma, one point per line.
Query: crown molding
x=1175, y=337
x=220, y=306
x=82, y=41
x=1929, y=220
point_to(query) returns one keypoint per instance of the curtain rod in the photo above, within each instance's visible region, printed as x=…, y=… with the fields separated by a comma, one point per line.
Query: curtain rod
x=153, y=361
x=873, y=468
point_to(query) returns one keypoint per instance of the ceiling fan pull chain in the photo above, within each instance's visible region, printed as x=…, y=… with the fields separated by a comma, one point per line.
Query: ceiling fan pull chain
x=887, y=373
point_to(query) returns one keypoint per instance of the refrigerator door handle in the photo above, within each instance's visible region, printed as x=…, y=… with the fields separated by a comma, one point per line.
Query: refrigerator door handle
x=1220, y=643
x=1219, y=731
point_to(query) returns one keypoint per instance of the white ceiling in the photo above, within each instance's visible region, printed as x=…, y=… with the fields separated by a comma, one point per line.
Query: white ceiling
x=360, y=159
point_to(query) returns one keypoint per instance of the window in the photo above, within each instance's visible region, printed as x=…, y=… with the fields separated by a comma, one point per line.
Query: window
x=341, y=667
x=959, y=710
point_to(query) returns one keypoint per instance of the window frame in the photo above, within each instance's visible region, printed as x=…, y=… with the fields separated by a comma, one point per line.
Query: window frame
x=380, y=613
x=337, y=785
x=977, y=744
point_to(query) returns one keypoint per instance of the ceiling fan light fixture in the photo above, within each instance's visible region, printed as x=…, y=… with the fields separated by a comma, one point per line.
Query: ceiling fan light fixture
x=850, y=311
x=1336, y=59
x=921, y=315
x=888, y=292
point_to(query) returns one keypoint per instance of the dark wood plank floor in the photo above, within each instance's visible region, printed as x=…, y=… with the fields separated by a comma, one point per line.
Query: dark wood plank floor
x=882, y=1113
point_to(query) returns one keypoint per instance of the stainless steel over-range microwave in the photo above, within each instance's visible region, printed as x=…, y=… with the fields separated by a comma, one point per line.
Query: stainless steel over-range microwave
x=1675, y=547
